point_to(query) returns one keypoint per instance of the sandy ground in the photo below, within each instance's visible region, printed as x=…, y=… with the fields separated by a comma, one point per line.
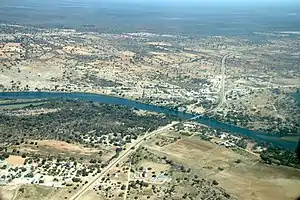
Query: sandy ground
x=90, y=195
x=261, y=182
x=121, y=176
x=157, y=167
x=193, y=146
x=250, y=146
x=7, y=192
x=15, y=160
x=248, y=180
x=64, y=146
x=34, y=192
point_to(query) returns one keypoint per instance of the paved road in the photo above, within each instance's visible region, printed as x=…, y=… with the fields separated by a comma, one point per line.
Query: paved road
x=222, y=90
x=123, y=155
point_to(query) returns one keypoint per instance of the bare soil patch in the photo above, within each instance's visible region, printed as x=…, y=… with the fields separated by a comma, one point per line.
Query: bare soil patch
x=250, y=146
x=33, y=192
x=91, y=195
x=200, y=155
x=64, y=146
x=202, y=146
x=7, y=192
x=156, y=167
x=247, y=179
x=261, y=182
x=15, y=160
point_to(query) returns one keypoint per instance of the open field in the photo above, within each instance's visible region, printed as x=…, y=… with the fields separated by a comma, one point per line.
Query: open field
x=91, y=195
x=33, y=192
x=64, y=146
x=201, y=155
x=260, y=182
x=55, y=147
x=242, y=176
x=15, y=160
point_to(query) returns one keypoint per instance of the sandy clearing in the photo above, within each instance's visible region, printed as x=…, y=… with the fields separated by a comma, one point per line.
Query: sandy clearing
x=90, y=195
x=203, y=146
x=259, y=183
x=15, y=160
x=249, y=180
x=157, y=167
x=64, y=146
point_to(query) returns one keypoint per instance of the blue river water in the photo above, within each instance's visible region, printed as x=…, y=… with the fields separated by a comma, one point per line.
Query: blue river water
x=138, y=105
x=296, y=95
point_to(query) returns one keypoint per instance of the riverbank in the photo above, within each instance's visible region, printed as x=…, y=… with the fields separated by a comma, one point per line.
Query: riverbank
x=138, y=105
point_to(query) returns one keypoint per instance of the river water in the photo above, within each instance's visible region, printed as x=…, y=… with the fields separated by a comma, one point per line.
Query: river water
x=138, y=105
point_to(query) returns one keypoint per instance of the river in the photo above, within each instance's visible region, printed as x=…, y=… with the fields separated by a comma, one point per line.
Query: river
x=138, y=105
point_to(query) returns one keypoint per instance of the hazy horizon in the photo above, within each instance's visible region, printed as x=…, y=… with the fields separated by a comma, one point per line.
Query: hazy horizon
x=217, y=17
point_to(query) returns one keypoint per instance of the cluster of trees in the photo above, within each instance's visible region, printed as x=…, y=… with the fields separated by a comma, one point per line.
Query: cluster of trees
x=4, y=155
x=99, y=82
x=274, y=155
x=75, y=119
x=137, y=184
x=275, y=125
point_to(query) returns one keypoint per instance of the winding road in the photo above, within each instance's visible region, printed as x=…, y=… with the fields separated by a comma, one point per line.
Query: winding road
x=123, y=155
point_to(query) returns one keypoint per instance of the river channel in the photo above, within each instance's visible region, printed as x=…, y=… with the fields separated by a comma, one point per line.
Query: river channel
x=138, y=105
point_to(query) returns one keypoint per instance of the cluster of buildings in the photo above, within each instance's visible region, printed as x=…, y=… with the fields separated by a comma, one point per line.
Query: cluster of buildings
x=35, y=173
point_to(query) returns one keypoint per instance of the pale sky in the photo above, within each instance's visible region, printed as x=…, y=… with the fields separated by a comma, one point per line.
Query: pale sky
x=209, y=2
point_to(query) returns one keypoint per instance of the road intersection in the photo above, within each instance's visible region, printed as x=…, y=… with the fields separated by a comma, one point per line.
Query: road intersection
x=122, y=156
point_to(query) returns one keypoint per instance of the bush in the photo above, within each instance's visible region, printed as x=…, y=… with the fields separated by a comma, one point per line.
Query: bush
x=215, y=182
x=123, y=187
x=76, y=179
x=29, y=175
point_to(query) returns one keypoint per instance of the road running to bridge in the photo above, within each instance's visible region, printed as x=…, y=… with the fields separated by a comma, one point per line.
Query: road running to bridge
x=222, y=98
x=123, y=155
x=222, y=91
x=134, y=146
